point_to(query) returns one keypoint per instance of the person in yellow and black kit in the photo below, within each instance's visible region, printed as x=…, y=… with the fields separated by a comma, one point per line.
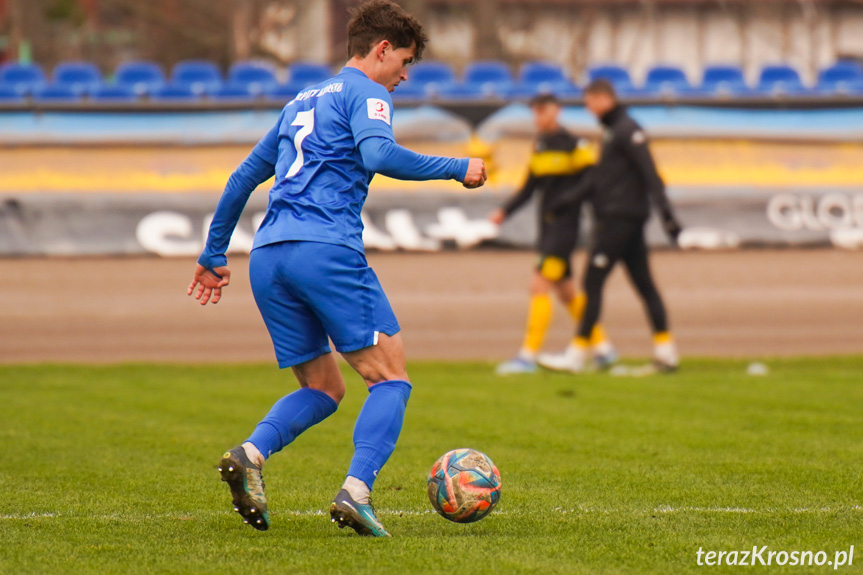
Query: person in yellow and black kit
x=558, y=162
x=621, y=187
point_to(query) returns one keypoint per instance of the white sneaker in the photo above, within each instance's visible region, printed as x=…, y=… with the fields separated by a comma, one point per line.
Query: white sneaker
x=604, y=355
x=665, y=357
x=515, y=366
x=572, y=360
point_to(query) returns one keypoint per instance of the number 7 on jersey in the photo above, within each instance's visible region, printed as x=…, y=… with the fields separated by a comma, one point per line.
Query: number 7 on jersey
x=306, y=121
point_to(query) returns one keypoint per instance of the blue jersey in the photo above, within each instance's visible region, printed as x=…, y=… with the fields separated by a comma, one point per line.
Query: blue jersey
x=321, y=179
x=321, y=182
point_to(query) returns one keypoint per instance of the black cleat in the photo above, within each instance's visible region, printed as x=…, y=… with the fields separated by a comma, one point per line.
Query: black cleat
x=247, y=487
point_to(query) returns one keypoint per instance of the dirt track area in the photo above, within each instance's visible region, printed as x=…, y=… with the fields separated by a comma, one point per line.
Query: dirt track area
x=467, y=305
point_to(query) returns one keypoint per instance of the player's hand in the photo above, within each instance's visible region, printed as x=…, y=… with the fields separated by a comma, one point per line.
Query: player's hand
x=671, y=226
x=476, y=175
x=209, y=285
x=497, y=217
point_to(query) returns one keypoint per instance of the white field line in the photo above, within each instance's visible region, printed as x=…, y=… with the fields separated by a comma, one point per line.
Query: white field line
x=578, y=511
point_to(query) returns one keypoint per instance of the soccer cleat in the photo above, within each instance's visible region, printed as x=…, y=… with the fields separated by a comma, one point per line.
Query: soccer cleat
x=665, y=357
x=572, y=360
x=361, y=518
x=604, y=356
x=516, y=365
x=247, y=487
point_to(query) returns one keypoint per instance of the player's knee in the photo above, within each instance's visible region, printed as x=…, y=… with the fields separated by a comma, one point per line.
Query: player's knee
x=553, y=268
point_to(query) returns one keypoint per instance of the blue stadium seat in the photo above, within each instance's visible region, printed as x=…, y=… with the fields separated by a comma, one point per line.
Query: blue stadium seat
x=488, y=79
x=617, y=75
x=143, y=78
x=113, y=93
x=666, y=81
x=233, y=92
x=81, y=77
x=23, y=78
x=780, y=80
x=58, y=93
x=844, y=77
x=176, y=93
x=283, y=93
x=543, y=77
x=409, y=91
x=304, y=74
x=431, y=77
x=256, y=78
x=723, y=80
x=9, y=95
x=199, y=76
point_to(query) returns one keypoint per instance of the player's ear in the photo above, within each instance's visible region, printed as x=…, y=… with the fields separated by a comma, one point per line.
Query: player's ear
x=382, y=48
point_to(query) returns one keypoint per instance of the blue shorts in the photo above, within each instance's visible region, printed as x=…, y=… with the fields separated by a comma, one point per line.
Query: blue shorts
x=309, y=291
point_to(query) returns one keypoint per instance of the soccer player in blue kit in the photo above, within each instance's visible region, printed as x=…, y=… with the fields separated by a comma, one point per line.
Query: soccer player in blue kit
x=308, y=270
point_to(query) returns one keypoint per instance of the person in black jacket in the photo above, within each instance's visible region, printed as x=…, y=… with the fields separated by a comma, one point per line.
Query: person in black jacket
x=558, y=162
x=621, y=187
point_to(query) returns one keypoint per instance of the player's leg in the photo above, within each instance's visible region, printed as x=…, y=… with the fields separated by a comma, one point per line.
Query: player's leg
x=358, y=317
x=609, y=240
x=300, y=341
x=604, y=354
x=539, y=314
x=637, y=264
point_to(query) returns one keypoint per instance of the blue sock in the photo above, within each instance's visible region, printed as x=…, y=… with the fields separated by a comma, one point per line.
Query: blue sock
x=289, y=417
x=378, y=427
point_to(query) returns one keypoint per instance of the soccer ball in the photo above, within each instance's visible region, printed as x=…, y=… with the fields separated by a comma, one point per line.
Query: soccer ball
x=464, y=485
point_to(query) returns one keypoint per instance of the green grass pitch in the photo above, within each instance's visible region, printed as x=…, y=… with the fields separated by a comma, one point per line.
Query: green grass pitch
x=113, y=470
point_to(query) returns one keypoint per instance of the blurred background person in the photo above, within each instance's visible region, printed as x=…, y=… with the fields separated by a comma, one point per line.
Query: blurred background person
x=621, y=187
x=559, y=161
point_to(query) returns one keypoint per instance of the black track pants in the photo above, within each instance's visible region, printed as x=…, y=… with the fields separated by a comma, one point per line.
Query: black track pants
x=616, y=239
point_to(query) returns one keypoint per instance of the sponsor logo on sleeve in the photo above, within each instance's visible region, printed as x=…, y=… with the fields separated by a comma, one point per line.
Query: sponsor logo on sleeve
x=378, y=110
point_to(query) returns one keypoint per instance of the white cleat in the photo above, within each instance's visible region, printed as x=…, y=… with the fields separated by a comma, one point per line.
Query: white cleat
x=572, y=360
x=516, y=366
x=604, y=355
x=665, y=357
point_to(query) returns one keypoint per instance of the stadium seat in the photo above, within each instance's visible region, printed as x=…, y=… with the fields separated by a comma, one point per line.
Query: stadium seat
x=58, y=93
x=617, y=75
x=487, y=79
x=9, y=95
x=257, y=79
x=143, y=78
x=543, y=77
x=431, y=77
x=283, y=93
x=23, y=78
x=199, y=76
x=843, y=77
x=81, y=77
x=113, y=93
x=304, y=74
x=409, y=91
x=780, y=80
x=666, y=81
x=176, y=93
x=723, y=80
x=233, y=92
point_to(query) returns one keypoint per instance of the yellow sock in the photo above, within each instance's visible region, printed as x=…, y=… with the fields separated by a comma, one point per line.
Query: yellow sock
x=580, y=342
x=576, y=306
x=597, y=336
x=538, y=320
x=662, y=337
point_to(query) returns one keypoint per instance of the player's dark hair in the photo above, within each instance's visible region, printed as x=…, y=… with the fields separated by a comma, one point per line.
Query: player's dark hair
x=544, y=98
x=377, y=20
x=601, y=86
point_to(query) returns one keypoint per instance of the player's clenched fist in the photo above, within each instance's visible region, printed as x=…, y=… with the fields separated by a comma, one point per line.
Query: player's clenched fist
x=476, y=174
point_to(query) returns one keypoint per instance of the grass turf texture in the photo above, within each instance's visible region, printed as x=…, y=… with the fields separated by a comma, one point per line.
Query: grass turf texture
x=112, y=469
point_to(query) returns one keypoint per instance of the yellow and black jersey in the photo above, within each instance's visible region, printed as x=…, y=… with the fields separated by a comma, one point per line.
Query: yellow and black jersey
x=557, y=163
